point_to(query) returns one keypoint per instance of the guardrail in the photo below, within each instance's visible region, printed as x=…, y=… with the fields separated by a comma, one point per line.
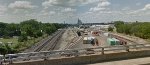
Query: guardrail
x=45, y=55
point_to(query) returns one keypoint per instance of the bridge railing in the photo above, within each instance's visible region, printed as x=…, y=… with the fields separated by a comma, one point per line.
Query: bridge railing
x=45, y=55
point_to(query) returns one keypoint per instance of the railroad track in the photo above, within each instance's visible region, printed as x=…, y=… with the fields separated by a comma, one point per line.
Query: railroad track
x=74, y=42
x=40, y=43
x=118, y=36
x=40, y=46
x=75, y=33
x=53, y=42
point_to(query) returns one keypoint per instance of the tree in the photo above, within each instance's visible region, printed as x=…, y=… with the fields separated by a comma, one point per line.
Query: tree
x=13, y=29
x=119, y=26
x=2, y=49
x=39, y=33
x=110, y=29
x=118, y=23
x=30, y=27
x=53, y=28
x=2, y=28
x=6, y=49
x=23, y=37
x=139, y=29
x=48, y=30
x=126, y=28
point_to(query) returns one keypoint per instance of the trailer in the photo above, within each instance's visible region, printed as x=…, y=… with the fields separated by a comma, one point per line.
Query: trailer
x=89, y=40
x=121, y=40
x=106, y=34
x=117, y=42
x=96, y=33
x=111, y=41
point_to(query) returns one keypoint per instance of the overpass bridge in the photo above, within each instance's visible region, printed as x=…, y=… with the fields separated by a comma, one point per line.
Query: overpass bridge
x=77, y=56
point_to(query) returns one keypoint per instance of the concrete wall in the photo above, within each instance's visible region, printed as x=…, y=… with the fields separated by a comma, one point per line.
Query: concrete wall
x=89, y=59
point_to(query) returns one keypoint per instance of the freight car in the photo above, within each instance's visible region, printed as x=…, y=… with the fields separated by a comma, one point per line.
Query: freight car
x=111, y=41
x=117, y=42
x=90, y=40
x=122, y=41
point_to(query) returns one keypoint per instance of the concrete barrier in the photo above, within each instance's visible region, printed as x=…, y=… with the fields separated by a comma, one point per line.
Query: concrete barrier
x=89, y=59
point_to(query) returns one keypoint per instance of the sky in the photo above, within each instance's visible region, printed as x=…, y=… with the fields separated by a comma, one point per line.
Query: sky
x=89, y=11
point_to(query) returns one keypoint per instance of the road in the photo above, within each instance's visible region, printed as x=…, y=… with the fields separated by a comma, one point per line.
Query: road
x=137, y=61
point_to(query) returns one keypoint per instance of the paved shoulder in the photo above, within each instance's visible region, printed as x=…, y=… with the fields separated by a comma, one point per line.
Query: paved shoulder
x=137, y=61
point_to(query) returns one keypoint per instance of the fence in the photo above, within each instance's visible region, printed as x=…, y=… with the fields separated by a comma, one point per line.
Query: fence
x=45, y=55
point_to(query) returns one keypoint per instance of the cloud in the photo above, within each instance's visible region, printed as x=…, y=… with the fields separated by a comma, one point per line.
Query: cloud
x=96, y=9
x=62, y=3
x=71, y=10
x=101, y=6
x=104, y=4
x=46, y=13
x=52, y=12
x=68, y=10
x=3, y=9
x=106, y=12
x=69, y=3
x=147, y=7
x=49, y=3
x=21, y=5
x=85, y=2
x=126, y=8
x=142, y=11
x=138, y=4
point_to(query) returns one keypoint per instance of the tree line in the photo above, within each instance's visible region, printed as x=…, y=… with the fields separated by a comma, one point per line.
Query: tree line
x=28, y=28
x=139, y=29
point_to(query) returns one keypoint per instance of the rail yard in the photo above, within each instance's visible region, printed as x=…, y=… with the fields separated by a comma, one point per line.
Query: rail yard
x=72, y=42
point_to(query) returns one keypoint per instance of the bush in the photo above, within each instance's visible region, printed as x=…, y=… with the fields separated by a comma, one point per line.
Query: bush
x=6, y=49
x=110, y=29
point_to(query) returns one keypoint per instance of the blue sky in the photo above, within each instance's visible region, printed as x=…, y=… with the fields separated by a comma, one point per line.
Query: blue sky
x=15, y=11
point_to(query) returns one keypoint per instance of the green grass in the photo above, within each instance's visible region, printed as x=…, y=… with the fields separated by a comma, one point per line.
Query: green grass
x=13, y=40
x=20, y=46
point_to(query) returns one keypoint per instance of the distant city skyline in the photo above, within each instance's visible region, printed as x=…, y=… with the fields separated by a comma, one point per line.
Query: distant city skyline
x=58, y=11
